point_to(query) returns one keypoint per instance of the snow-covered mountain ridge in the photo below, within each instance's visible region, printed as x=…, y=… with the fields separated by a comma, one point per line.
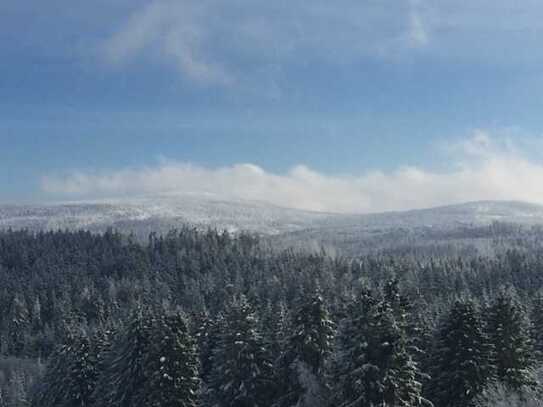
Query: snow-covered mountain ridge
x=165, y=212
x=160, y=214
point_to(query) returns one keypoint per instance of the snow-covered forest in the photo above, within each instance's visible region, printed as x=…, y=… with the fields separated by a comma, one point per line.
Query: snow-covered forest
x=208, y=319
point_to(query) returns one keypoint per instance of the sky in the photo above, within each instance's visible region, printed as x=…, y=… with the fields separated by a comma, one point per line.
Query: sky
x=348, y=106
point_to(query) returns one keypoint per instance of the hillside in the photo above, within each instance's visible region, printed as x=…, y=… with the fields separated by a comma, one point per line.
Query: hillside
x=351, y=234
x=160, y=214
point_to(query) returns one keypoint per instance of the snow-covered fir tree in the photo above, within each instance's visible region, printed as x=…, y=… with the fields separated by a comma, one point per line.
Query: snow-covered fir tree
x=83, y=373
x=514, y=350
x=537, y=322
x=19, y=325
x=275, y=326
x=122, y=380
x=398, y=303
x=207, y=336
x=171, y=365
x=313, y=333
x=373, y=366
x=242, y=371
x=421, y=331
x=51, y=390
x=300, y=368
x=72, y=373
x=461, y=365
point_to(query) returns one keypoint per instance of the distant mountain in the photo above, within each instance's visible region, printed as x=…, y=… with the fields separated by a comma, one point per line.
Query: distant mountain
x=289, y=226
x=453, y=229
x=452, y=216
x=160, y=214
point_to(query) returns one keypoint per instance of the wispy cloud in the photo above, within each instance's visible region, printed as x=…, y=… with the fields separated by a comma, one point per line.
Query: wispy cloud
x=233, y=42
x=482, y=167
x=170, y=30
x=221, y=43
x=417, y=34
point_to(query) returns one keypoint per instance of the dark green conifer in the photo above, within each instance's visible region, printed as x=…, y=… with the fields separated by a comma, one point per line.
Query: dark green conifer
x=514, y=351
x=373, y=366
x=307, y=349
x=171, y=365
x=461, y=365
x=242, y=371
x=123, y=376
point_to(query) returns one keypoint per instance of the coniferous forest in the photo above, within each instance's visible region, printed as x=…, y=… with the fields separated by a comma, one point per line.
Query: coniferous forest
x=205, y=318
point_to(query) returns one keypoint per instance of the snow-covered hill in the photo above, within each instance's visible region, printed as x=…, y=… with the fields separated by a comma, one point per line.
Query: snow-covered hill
x=160, y=214
x=166, y=212
x=466, y=214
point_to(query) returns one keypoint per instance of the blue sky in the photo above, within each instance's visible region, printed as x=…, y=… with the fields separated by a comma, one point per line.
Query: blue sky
x=348, y=89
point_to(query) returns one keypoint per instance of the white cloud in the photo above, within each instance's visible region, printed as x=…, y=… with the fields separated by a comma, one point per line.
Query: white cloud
x=170, y=30
x=483, y=168
x=222, y=43
x=418, y=35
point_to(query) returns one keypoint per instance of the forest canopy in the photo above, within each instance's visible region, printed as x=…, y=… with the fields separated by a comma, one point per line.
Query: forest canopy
x=212, y=319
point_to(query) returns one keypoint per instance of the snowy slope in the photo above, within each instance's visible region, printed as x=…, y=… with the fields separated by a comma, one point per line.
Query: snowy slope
x=458, y=225
x=466, y=214
x=165, y=212
x=160, y=214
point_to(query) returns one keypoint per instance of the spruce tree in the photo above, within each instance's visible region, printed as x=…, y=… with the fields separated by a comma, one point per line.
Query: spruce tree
x=313, y=333
x=509, y=332
x=306, y=350
x=242, y=371
x=123, y=376
x=373, y=366
x=462, y=365
x=275, y=327
x=397, y=302
x=207, y=336
x=19, y=326
x=537, y=321
x=51, y=391
x=171, y=365
x=71, y=375
x=82, y=374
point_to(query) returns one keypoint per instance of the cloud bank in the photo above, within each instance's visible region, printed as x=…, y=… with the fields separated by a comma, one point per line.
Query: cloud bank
x=482, y=168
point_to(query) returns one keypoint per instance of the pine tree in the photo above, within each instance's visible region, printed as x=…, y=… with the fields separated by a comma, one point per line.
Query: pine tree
x=171, y=365
x=51, y=391
x=123, y=374
x=537, y=321
x=274, y=325
x=462, y=365
x=373, y=366
x=242, y=372
x=19, y=325
x=421, y=330
x=509, y=332
x=313, y=333
x=82, y=374
x=306, y=351
x=397, y=302
x=71, y=375
x=207, y=337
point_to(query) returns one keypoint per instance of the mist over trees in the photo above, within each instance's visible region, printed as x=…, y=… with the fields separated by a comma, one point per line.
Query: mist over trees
x=205, y=318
